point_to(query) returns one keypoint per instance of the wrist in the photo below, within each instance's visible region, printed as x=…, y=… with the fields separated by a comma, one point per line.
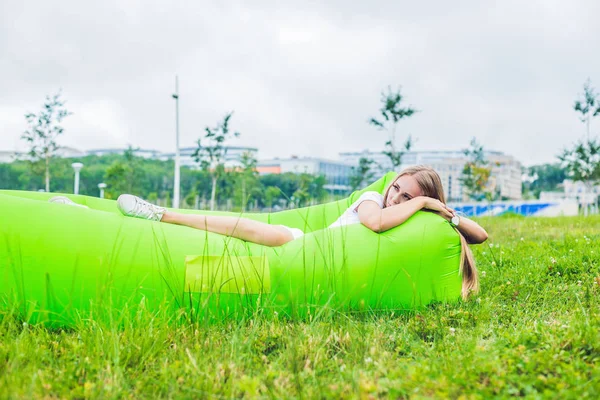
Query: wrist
x=421, y=202
x=455, y=220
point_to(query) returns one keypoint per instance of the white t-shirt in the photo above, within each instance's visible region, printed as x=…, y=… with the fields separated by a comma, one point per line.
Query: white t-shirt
x=350, y=216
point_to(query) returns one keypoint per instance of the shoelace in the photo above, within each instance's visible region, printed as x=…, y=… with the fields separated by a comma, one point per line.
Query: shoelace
x=145, y=209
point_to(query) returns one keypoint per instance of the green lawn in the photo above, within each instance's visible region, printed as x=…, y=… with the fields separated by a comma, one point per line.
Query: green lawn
x=534, y=331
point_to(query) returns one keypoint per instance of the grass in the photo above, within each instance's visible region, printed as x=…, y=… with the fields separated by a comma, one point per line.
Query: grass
x=534, y=331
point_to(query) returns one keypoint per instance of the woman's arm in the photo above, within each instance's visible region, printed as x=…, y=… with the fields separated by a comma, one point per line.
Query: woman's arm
x=380, y=220
x=472, y=231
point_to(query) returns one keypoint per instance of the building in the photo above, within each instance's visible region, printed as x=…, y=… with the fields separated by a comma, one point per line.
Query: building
x=150, y=154
x=62, y=152
x=575, y=190
x=505, y=179
x=7, y=156
x=70, y=152
x=233, y=154
x=336, y=173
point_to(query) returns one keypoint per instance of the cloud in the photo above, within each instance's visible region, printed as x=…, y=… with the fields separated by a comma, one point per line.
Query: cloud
x=303, y=78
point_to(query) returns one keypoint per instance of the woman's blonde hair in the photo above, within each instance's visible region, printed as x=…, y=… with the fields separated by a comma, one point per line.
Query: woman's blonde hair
x=431, y=185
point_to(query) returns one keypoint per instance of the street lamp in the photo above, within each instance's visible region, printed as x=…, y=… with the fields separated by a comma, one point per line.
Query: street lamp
x=102, y=186
x=176, y=183
x=77, y=167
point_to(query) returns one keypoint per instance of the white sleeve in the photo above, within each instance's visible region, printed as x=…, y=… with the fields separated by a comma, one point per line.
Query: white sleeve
x=372, y=196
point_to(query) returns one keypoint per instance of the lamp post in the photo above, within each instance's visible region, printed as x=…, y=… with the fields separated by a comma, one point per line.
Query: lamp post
x=177, y=178
x=77, y=167
x=102, y=186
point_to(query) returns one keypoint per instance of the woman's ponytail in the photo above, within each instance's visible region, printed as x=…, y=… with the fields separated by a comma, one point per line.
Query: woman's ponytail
x=468, y=270
x=431, y=186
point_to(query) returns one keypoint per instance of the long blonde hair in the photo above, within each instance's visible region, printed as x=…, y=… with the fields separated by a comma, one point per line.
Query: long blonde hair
x=431, y=185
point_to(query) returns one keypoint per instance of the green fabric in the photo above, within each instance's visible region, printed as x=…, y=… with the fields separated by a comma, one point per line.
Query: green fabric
x=60, y=263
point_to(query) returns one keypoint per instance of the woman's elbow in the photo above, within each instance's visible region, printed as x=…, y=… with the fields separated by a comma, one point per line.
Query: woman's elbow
x=480, y=237
x=374, y=224
x=280, y=237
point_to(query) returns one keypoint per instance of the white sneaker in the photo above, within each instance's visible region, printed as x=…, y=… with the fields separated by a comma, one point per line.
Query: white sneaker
x=65, y=200
x=133, y=206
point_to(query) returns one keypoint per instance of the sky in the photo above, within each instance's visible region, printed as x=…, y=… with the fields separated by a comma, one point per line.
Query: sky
x=302, y=77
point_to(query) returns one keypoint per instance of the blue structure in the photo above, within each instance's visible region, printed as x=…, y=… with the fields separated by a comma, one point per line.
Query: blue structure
x=525, y=208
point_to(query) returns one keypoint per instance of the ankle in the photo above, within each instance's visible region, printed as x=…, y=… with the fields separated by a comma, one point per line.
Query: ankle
x=166, y=216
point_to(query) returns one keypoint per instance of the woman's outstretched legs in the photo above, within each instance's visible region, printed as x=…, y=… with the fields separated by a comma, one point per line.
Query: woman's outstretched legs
x=238, y=227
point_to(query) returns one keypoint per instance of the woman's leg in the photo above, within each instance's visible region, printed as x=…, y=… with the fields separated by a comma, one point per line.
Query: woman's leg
x=238, y=227
x=241, y=228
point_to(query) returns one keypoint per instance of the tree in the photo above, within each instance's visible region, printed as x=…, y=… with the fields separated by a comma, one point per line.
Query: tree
x=316, y=188
x=44, y=129
x=589, y=107
x=545, y=177
x=211, y=152
x=125, y=175
x=391, y=113
x=248, y=177
x=271, y=194
x=361, y=174
x=582, y=163
x=476, y=172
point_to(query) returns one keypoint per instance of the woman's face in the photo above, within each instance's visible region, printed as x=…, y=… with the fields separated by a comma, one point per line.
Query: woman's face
x=402, y=189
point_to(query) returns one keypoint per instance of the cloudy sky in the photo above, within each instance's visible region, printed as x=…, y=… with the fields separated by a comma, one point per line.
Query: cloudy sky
x=302, y=76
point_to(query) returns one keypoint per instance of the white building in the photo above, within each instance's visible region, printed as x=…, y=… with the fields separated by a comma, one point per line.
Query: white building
x=505, y=176
x=69, y=152
x=336, y=173
x=136, y=152
x=577, y=190
x=7, y=156
x=233, y=155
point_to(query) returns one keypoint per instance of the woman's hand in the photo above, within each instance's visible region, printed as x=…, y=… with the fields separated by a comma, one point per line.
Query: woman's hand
x=437, y=206
x=471, y=230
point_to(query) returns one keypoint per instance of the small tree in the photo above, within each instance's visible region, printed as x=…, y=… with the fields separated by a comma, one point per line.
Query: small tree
x=589, y=107
x=582, y=163
x=248, y=177
x=301, y=195
x=125, y=175
x=211, y=152
x=316, y=188
x=476, y=172
x=391, y=113
x=44, y=129
x=361, y=174
x=545, y=177
x=272, y=193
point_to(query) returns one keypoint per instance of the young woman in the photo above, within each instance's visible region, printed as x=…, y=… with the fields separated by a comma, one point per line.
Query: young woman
x=416, y=188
